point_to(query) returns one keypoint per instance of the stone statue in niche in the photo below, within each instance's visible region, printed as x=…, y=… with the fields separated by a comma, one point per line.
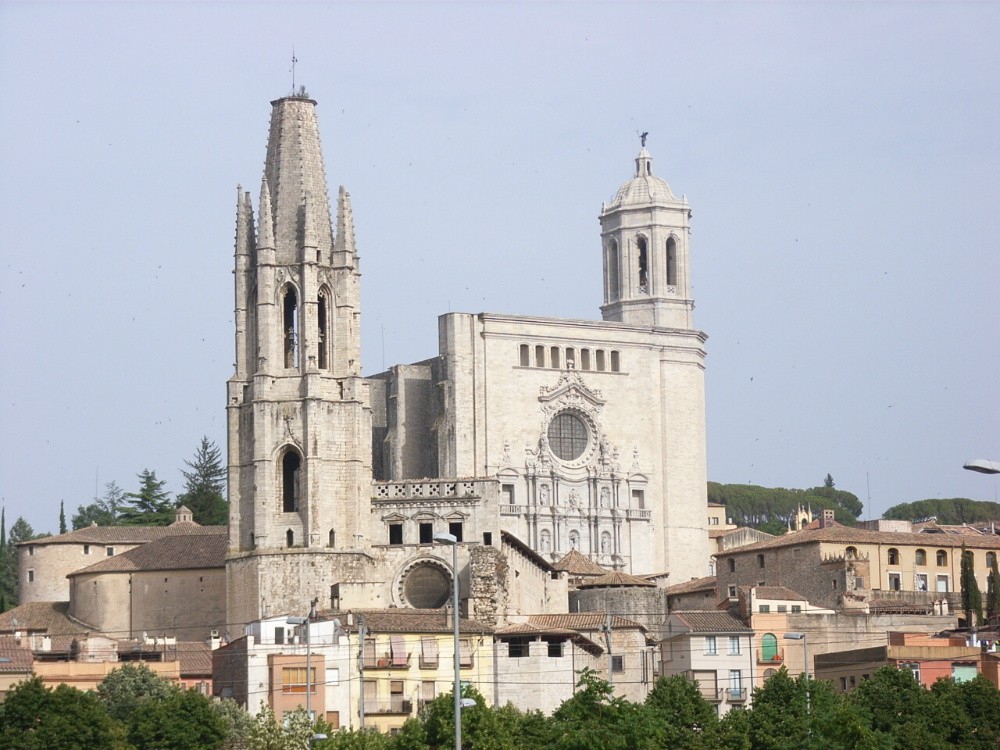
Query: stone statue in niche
x=574, y=498
x=546, y=541
x=605, y=544
x=605, y=497
x=543, y=495
x=505, y=454
x=574, y=540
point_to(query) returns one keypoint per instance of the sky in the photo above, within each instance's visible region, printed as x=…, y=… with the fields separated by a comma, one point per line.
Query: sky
x=842, y=161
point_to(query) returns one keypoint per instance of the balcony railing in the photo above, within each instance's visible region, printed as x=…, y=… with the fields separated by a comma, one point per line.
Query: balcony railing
x=774, y=657
x=391, y=706
x=387, y=661
x=733, y=695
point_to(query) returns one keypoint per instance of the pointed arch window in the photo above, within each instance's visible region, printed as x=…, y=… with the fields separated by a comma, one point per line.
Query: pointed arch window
x=769, y=647
x=643, y=268
x=290, y=326
x=671, y=262
x=323, y=329
x=291, y=462
x=289, y=538
x=614, y=281
x=331, y=539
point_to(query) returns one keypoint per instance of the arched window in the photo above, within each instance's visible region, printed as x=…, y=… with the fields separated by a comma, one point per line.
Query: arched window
x=731, y=562
x=769, y=647
x=554, y=357
x=769, y=673
x=523, y=349
x=289, y=538
x=539, y=356
x=920, y=557
x=851, y=552
x=331, y=539
x=614, y=282
x=942, y=558
x=290, y=464
x=991, y=559
x=671, y=262
x=640, y=243
x=323, y=331
x=290, y=326
x=893, y=556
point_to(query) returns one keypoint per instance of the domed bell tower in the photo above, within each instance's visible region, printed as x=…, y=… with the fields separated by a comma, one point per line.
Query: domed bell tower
x=646, y=231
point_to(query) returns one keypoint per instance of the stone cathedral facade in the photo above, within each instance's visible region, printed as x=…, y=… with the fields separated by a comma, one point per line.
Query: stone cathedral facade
x=524, y=437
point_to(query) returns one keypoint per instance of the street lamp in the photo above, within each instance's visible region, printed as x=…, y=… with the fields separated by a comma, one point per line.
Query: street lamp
x=451, y=539
x=805, y=659
x=983, y=466
x=305, y=621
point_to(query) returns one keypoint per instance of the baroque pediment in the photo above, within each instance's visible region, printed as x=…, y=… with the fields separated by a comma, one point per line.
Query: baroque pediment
x=570, y=391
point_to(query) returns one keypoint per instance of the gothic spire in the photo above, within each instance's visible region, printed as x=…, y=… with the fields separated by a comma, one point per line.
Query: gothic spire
x=345, y=225
x=265, y=221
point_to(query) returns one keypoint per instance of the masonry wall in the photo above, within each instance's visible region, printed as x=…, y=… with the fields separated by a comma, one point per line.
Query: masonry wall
x=51, y=563
x=539, y=681
x=646, y=606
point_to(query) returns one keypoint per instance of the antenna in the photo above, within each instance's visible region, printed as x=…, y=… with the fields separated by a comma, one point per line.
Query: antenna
x=294, y=60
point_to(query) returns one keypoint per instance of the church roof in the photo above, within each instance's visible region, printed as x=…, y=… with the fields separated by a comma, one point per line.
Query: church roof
x=614, y=579
x=184, y=552
x=711, y=622
x=576, y=564
x=644, y=188
x=583, y=621
x=126, y=534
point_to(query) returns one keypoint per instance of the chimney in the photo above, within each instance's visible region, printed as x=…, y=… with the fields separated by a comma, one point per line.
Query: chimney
x=827, y=520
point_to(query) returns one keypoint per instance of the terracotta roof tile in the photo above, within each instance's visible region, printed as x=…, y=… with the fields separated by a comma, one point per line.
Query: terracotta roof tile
x=126, y=534
x=777, y=592
x=185, y=552
x=615, y=579
x=576, y=564
x=708, y=583
x=583, y=621
x=406, y=621
x=850, y=534
x=47, y=617
x=711, y=622
x=14, y=657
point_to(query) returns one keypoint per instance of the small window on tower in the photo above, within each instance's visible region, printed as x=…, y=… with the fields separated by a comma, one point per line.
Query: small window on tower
x=455, y=529
x=289, y=538
x=554, y=357
x=290, y=315
x=322, y=332
x=601, y=366
x=616, y=361
x=539, y=356
x=290, y=463
x=395, y=533
x=643, y=265
x=671, y=262
x=614, y=285
x=523, y=355
x=585, y=359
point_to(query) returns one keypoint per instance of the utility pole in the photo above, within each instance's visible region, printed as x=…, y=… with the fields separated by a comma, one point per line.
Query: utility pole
x=362, y=631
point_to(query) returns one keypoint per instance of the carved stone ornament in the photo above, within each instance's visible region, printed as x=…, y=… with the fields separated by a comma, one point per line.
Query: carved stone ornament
x=571, y=394
x=505, y=459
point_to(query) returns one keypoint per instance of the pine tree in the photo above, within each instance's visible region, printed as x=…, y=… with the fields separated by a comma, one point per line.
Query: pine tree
x=151, y=505
x=104, y=511
x=205, y=485
x=972, y=599
x=8, y=575
x=993, y=593
x=62, y=518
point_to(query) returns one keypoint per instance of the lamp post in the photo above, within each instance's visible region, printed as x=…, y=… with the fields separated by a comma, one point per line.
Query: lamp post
x=305, y=621
x=453, y=541
x=805, y=659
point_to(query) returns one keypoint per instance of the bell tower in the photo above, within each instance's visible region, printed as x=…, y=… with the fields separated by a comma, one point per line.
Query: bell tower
x=299, y=417
x=645, y=231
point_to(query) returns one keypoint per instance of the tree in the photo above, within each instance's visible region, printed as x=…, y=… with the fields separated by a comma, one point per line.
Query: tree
x=33, y=717
x=972, y=599
x=895, y=705
x=292, y=733
x=151, y=505
x=956, y=510
x=184, y=720
x=8, y=567
x=681, y=718
x=62, y=517
x=205, y=486
x=128, y=686
x=104, y=511
x=828, y=482
x=993, y=593
x=481, y=727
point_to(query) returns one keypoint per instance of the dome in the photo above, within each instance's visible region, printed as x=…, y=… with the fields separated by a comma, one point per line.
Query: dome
x=644, y=188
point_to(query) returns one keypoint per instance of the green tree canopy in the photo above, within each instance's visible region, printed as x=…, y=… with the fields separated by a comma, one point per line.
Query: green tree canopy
x=772, y=509
x=183, y=720
x=104, y=511
x=972, y=598
x=151, y=505
x=955, y=510
x=34, y=717
x=128, y=686
x=205, y=485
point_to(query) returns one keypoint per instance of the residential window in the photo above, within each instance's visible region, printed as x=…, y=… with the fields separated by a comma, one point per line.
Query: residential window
x=913, y=668
x=110, y=551
x=782, y=608
x=963, y=672
x=713, y=520
x=710, y=645
x=894, y=582
x=760, y=561
x=426, y=533
x=735, y=684
x=942, y=584
x=465, y=653
x=618, y=664
x=920, y=557
x=279, y=636
x=734, y=645
x=293, y=680
x=31, y=549
x=731, y=591
x=764, y=608
x=796, y=609
x=851, y=552
x=731, y=562
x=455, y=529
x=555, y=649
x=893, y=556
x=31, y=575
x=991, y=559
x=86, y=549
x=920, y=579
x=395, y=533
x=942, y=558
x=518, y=648
x=843, y=684
x=428, y=652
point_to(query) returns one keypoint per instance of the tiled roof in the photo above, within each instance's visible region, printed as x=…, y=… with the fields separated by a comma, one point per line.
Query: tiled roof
x=13, y=656
x=777, y=592
x=507, y=538
x=851, y=535
x=185, y=552
x=707, y=583
x=126, y=534
x=711, y=622
x=48, y=617
x=527, y=629
x=576, y=564
x=405, y=621
x=587, y=621
x=615, y=579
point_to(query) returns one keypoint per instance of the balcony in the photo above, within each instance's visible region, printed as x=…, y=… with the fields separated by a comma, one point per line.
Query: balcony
x=773, y=657
x=387, y=661
x=396, y=705
x=733, y=695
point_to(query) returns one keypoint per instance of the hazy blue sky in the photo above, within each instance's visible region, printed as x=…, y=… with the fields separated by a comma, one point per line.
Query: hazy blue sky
x=842, y=161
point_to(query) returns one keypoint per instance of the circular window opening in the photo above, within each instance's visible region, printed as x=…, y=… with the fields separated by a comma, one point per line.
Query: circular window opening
x=567, y=436
x=427, y=587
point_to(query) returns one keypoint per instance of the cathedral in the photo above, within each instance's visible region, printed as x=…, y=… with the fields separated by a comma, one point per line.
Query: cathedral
x=524, y=438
